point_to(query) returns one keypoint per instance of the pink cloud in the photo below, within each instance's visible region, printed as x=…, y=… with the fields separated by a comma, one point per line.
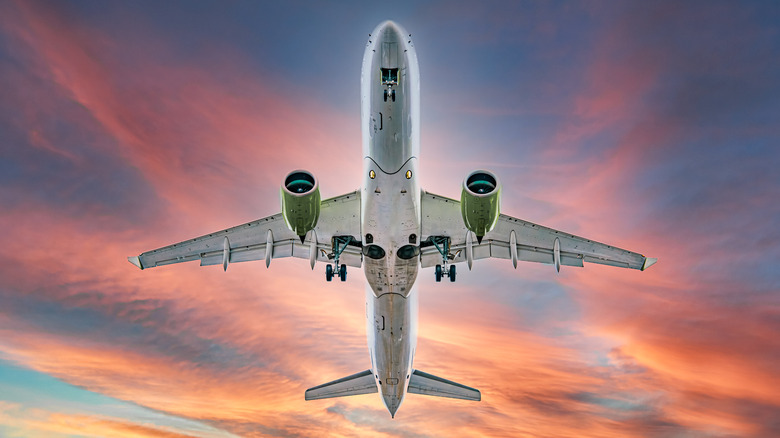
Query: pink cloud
x=207, y=146
x=40, y=422
x=192, y=135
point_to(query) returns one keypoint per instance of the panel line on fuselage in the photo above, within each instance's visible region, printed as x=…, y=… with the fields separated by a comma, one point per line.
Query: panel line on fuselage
x=392, y=173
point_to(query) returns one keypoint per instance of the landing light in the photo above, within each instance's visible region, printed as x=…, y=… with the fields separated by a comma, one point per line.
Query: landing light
x=408, y=174
x=371, y=174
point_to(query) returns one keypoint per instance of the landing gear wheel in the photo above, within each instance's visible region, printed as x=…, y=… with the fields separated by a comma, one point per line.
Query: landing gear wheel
x=393, y=95
x=452, y=273
x=438, y=273
x=343, y=273
x=385, y=95
x=328, y=272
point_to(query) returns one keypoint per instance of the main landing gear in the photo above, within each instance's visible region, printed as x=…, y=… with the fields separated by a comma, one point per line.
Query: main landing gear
x=339, y=245
x=440, y=272
x=342, y=272
x=442, y=244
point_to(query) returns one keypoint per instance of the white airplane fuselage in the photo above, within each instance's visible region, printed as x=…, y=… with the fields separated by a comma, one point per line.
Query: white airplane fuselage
x=390, y=210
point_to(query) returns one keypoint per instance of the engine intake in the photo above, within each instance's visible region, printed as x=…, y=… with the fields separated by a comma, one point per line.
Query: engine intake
x=300, y=195
x=480, y=202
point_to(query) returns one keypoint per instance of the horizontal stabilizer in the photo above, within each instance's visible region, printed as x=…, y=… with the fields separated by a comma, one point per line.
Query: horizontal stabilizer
x=356, y=384
x=428, y=384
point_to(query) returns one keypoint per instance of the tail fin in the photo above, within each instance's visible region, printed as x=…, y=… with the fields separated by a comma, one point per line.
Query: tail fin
x=356, y=384
x=428, y=384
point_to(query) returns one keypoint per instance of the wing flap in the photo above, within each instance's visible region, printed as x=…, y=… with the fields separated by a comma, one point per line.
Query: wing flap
x=356, y=384
x=496, y=249
x=428, y=384
x=245, y=254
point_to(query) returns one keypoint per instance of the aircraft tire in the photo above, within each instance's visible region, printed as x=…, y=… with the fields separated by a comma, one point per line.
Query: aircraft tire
x=438, y=273
x=343, y=273
x=328, y=272
x=452, y=273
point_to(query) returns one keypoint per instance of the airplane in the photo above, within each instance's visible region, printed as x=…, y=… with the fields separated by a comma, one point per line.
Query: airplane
x=391, y=228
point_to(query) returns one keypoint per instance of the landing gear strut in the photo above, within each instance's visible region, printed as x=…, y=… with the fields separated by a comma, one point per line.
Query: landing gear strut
x=442, y=244
x=339, y=245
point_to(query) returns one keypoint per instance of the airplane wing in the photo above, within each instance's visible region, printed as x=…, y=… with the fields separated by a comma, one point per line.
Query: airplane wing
x=339, y=216
x=514, y=239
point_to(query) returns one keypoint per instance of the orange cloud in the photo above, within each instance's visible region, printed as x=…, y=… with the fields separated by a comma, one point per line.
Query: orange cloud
x=237, y=349
x=43, y=423
x=217, y=136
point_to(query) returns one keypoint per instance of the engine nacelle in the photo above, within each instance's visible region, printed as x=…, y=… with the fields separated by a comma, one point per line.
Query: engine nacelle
x=300, y=195
x=480, y=202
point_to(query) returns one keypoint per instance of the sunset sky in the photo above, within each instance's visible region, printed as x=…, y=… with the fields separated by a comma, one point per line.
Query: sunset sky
x=126, y=126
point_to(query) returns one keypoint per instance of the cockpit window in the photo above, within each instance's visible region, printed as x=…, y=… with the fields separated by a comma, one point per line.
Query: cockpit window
x=407, y=252
x=373, y=252
x=389, y=76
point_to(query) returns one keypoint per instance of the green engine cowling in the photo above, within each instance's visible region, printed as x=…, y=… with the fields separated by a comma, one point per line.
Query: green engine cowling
x=480, y=202
x=300, y=195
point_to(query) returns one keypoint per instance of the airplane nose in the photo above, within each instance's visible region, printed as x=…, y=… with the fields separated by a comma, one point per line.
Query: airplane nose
x=390, y=47
x=389, y=32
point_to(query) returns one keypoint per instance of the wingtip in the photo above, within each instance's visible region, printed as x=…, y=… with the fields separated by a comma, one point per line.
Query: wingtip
x=136, y=261
x=649, y=262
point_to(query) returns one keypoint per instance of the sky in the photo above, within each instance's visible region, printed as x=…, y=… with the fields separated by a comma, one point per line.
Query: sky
x=126, y=126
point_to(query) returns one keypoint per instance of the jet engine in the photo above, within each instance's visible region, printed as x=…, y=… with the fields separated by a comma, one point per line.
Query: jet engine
x=479, y=202
x=300, y=195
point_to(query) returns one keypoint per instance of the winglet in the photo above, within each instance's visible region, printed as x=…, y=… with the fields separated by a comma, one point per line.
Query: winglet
x=648, y=262
x=136, y=261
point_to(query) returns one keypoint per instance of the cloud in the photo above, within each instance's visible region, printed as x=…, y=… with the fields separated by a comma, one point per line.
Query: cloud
x=123, y=144
x=31, y=422
x=189, y=132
